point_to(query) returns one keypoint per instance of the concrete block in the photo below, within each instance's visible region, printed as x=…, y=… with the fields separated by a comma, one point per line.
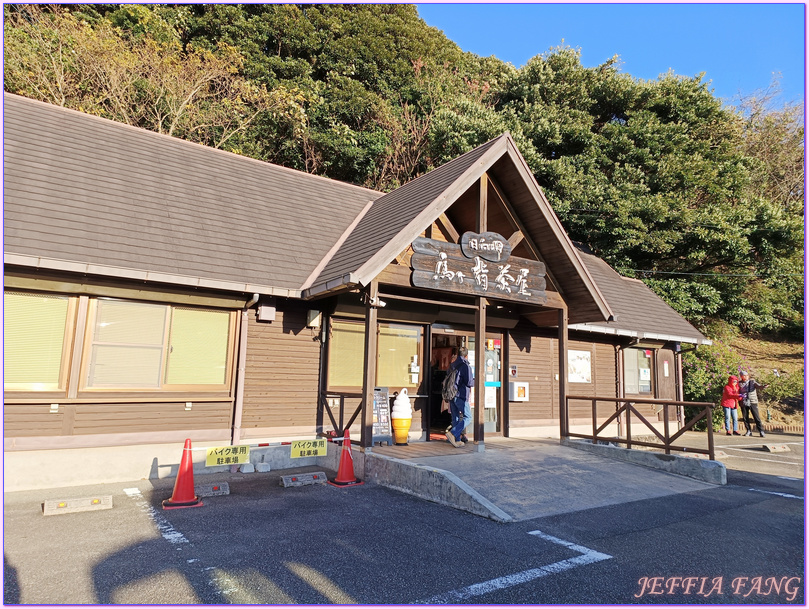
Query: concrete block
x=80, y=504
x=263, y=467
x=777, y=448
x=212, y=490
x=303, y=479
x=247, y=468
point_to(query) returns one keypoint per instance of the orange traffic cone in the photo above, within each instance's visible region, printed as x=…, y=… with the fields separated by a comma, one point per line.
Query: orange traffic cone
x=183, y=495
x=345, y=473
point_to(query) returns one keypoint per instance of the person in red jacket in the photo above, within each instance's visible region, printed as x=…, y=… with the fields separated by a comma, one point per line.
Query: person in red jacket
x=730, y=401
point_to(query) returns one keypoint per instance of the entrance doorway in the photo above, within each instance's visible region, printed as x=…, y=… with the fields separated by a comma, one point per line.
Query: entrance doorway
x=444, y=346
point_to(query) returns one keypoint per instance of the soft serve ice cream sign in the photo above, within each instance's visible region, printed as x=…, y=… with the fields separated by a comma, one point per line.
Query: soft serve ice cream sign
x=401, y=416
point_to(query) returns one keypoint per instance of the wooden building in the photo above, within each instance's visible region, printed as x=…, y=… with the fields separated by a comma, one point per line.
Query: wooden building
x=158, y=290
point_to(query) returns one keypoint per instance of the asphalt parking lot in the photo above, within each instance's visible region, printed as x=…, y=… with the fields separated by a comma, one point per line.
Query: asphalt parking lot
x=317, y=544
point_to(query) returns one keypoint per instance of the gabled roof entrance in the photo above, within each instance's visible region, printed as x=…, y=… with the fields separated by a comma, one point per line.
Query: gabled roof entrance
x=450, y=197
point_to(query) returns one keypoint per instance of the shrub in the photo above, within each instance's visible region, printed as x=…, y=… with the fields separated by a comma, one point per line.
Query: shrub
x=705, y=373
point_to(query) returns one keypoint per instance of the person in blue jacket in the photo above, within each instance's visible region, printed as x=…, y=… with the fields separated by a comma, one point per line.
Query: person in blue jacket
x=459, y=406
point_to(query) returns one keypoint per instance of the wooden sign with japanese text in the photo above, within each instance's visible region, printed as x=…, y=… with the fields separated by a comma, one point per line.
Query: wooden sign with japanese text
x=482, y=265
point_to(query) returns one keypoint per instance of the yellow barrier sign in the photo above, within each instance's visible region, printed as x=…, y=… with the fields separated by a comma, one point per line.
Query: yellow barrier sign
x=227, y=455
x=308, y=448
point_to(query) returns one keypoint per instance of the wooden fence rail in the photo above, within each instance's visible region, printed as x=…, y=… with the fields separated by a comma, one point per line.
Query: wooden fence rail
x=625, y=408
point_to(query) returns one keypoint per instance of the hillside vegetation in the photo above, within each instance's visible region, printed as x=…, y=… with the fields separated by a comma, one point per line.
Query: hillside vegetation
x=701, y=200
x=780, y=364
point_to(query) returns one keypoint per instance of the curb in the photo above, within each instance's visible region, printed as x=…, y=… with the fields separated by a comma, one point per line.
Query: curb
x=432, y=484
x=712, y=472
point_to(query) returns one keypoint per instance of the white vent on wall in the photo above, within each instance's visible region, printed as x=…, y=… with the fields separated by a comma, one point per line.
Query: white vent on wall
x=266, y=313
x=313, y=319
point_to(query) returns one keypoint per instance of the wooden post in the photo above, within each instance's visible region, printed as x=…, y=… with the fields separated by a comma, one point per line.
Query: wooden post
x=564, y=423
x=369, y=374
x=480, y=325
x=480, y=368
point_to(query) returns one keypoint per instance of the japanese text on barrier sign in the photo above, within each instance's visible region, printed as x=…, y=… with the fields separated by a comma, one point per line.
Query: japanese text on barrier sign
x=308, y=448
x=227, y=455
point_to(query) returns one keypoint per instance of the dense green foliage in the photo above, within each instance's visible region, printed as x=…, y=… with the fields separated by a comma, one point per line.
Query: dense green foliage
x=701, y=200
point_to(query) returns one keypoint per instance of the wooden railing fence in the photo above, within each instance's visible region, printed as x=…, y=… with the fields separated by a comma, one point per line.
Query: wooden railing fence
x=624, y=409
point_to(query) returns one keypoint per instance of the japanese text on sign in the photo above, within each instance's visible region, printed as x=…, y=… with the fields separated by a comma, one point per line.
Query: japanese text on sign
x=227, y=455
x=308, y=448
x=478, y=266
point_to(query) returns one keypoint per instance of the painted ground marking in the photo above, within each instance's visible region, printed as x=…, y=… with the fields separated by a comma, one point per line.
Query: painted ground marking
x=587, y=556
x=787, y=495
x=168, y=532
x=217, y=579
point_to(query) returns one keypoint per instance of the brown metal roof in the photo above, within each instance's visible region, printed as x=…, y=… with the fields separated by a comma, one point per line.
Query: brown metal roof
x=641, y=313
x=89, y=195
x=84, y=193
x=385, y=224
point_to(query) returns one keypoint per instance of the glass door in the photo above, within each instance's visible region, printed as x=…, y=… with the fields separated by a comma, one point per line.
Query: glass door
x=492, y=381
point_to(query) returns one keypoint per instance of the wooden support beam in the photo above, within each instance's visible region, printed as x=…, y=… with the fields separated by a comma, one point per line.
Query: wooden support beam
x=480, y=323
x=447, y=224
x=518, y=225
x=515, y=239
x=564, y=422
x=480, y=369
x=369, y=374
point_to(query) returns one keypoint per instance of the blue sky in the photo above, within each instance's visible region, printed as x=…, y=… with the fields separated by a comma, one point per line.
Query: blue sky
x=738, y=46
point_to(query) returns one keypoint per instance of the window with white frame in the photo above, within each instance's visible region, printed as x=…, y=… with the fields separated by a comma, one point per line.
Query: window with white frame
x=126, y=345
x=638, y=371
x=137, y=345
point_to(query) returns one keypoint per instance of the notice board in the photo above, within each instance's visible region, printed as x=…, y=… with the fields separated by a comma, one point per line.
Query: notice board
x=382, y=430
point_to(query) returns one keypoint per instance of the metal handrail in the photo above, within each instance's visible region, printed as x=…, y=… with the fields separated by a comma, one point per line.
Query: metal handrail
x=627, y=406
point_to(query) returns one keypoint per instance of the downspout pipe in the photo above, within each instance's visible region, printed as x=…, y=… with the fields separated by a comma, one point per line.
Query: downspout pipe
x=241, y=366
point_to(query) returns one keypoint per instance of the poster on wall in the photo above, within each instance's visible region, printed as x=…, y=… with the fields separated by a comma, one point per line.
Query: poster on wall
x=491, y=397
x=578, y=367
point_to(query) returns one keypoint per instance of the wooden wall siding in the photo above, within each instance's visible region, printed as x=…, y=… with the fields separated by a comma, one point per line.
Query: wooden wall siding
x=536, y=358
x=282, y=371
x=602, y=376
x=31, y=420
x=535, y=361
x=21, y=420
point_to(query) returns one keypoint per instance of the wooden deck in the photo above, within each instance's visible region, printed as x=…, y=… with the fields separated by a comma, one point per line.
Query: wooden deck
x=437, y=448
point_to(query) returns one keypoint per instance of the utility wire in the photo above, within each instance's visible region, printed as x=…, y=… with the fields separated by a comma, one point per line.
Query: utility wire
x=711, y=274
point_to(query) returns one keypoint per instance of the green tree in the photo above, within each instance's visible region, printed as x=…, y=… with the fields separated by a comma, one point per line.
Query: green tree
x=655, y=177
x=58, y=57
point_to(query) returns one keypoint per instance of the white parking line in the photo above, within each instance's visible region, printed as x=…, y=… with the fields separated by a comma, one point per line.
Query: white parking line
x=787, y=495
x=737, y=446
x=760, y=459
x=168, y=532
x=217, y=578
x=587, y=557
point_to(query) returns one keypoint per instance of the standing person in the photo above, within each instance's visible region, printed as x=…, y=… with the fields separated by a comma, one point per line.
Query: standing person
x=730, y=399
x=747, y=389
x=459, y=405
